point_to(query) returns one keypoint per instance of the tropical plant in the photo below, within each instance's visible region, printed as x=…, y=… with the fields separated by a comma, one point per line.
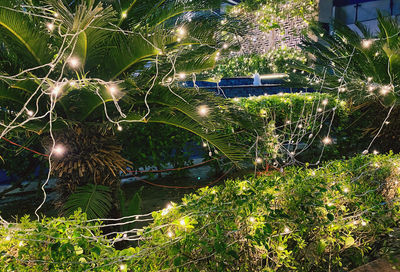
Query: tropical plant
x=362, y=67
x=334, y=218
x=75, y=71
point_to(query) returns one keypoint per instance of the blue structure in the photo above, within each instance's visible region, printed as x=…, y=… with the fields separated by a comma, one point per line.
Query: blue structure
x=243, y=86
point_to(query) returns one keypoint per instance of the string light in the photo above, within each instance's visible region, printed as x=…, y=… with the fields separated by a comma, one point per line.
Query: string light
x=112, y=89
x=20, y=243
x=385, y=90
x=122, y=267
x=182, y=75
x=363, y=223
x=252, y=219
x=124, y=14
x=225, y=46
x=203, y=110
x=181, y=31
x=56, y=90
x=259, y=160
x=325, y=102
x=346, y=190
x=73, y=62
x=375, y=152
x=327, y=140
x=366, y=43
x=119, y=128
x=286, y=230
x=29, y=112
x=182, y=222
x=59, y=150
x=8, y=238
x=50, y=26
x=170, y=234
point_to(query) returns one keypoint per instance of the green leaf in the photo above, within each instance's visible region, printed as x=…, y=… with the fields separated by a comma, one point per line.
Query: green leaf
x=349, y=241
x=331, y=217
x=94, y=200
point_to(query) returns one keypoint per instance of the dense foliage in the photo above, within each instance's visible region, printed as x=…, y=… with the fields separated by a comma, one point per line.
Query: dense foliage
x=338, y=216
x=363, y=68
x=276, y=61
x=296, y=121
x=271, y=14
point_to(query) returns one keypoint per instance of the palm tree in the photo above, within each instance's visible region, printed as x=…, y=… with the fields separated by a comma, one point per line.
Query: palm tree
x=75, y=71
x=364, y=68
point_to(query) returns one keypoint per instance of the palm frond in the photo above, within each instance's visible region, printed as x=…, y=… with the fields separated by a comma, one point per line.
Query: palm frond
x=24, y=35
x=94, y=200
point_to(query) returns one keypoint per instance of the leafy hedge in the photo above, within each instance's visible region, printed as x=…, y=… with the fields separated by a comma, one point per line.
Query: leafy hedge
x=286, y=112
x=337, y=217
x=306, y=220
x=276, y=61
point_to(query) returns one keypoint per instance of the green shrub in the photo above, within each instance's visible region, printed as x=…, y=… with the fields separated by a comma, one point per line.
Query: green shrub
x=276, y=61
x=287, y=112
x=54, y=244
x=302, y=219
x=336, y=217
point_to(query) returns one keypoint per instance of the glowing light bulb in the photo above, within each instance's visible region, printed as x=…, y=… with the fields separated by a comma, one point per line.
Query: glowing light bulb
x=330, y=204
x=179, y=40
x=286, y=230
x=181, y=31
x=252, y=219
x=112, y=89
x=20, y=243
x=182, y=75
x=325, y=102
x=327, y=140
x=371, y=88
x=122, y=267
x=124, y=14
x=56, y=14
x=50, y=26
x=346, y=190
x=319, y=110
x=203, y=110
x=56, y=90
x=225, y=46
x=59, y=150
x=119, y=128
x=259, y=160
x=385, y=90
x=8, y=238
x=182, y=222
x=170, y=234
x=375, y=152
x=73, y=62
x=72, y=84
x=204, y=144
x=369, y=79
x=363, y=223
x=29, y=112
x=366, y=43
x=355, y=222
